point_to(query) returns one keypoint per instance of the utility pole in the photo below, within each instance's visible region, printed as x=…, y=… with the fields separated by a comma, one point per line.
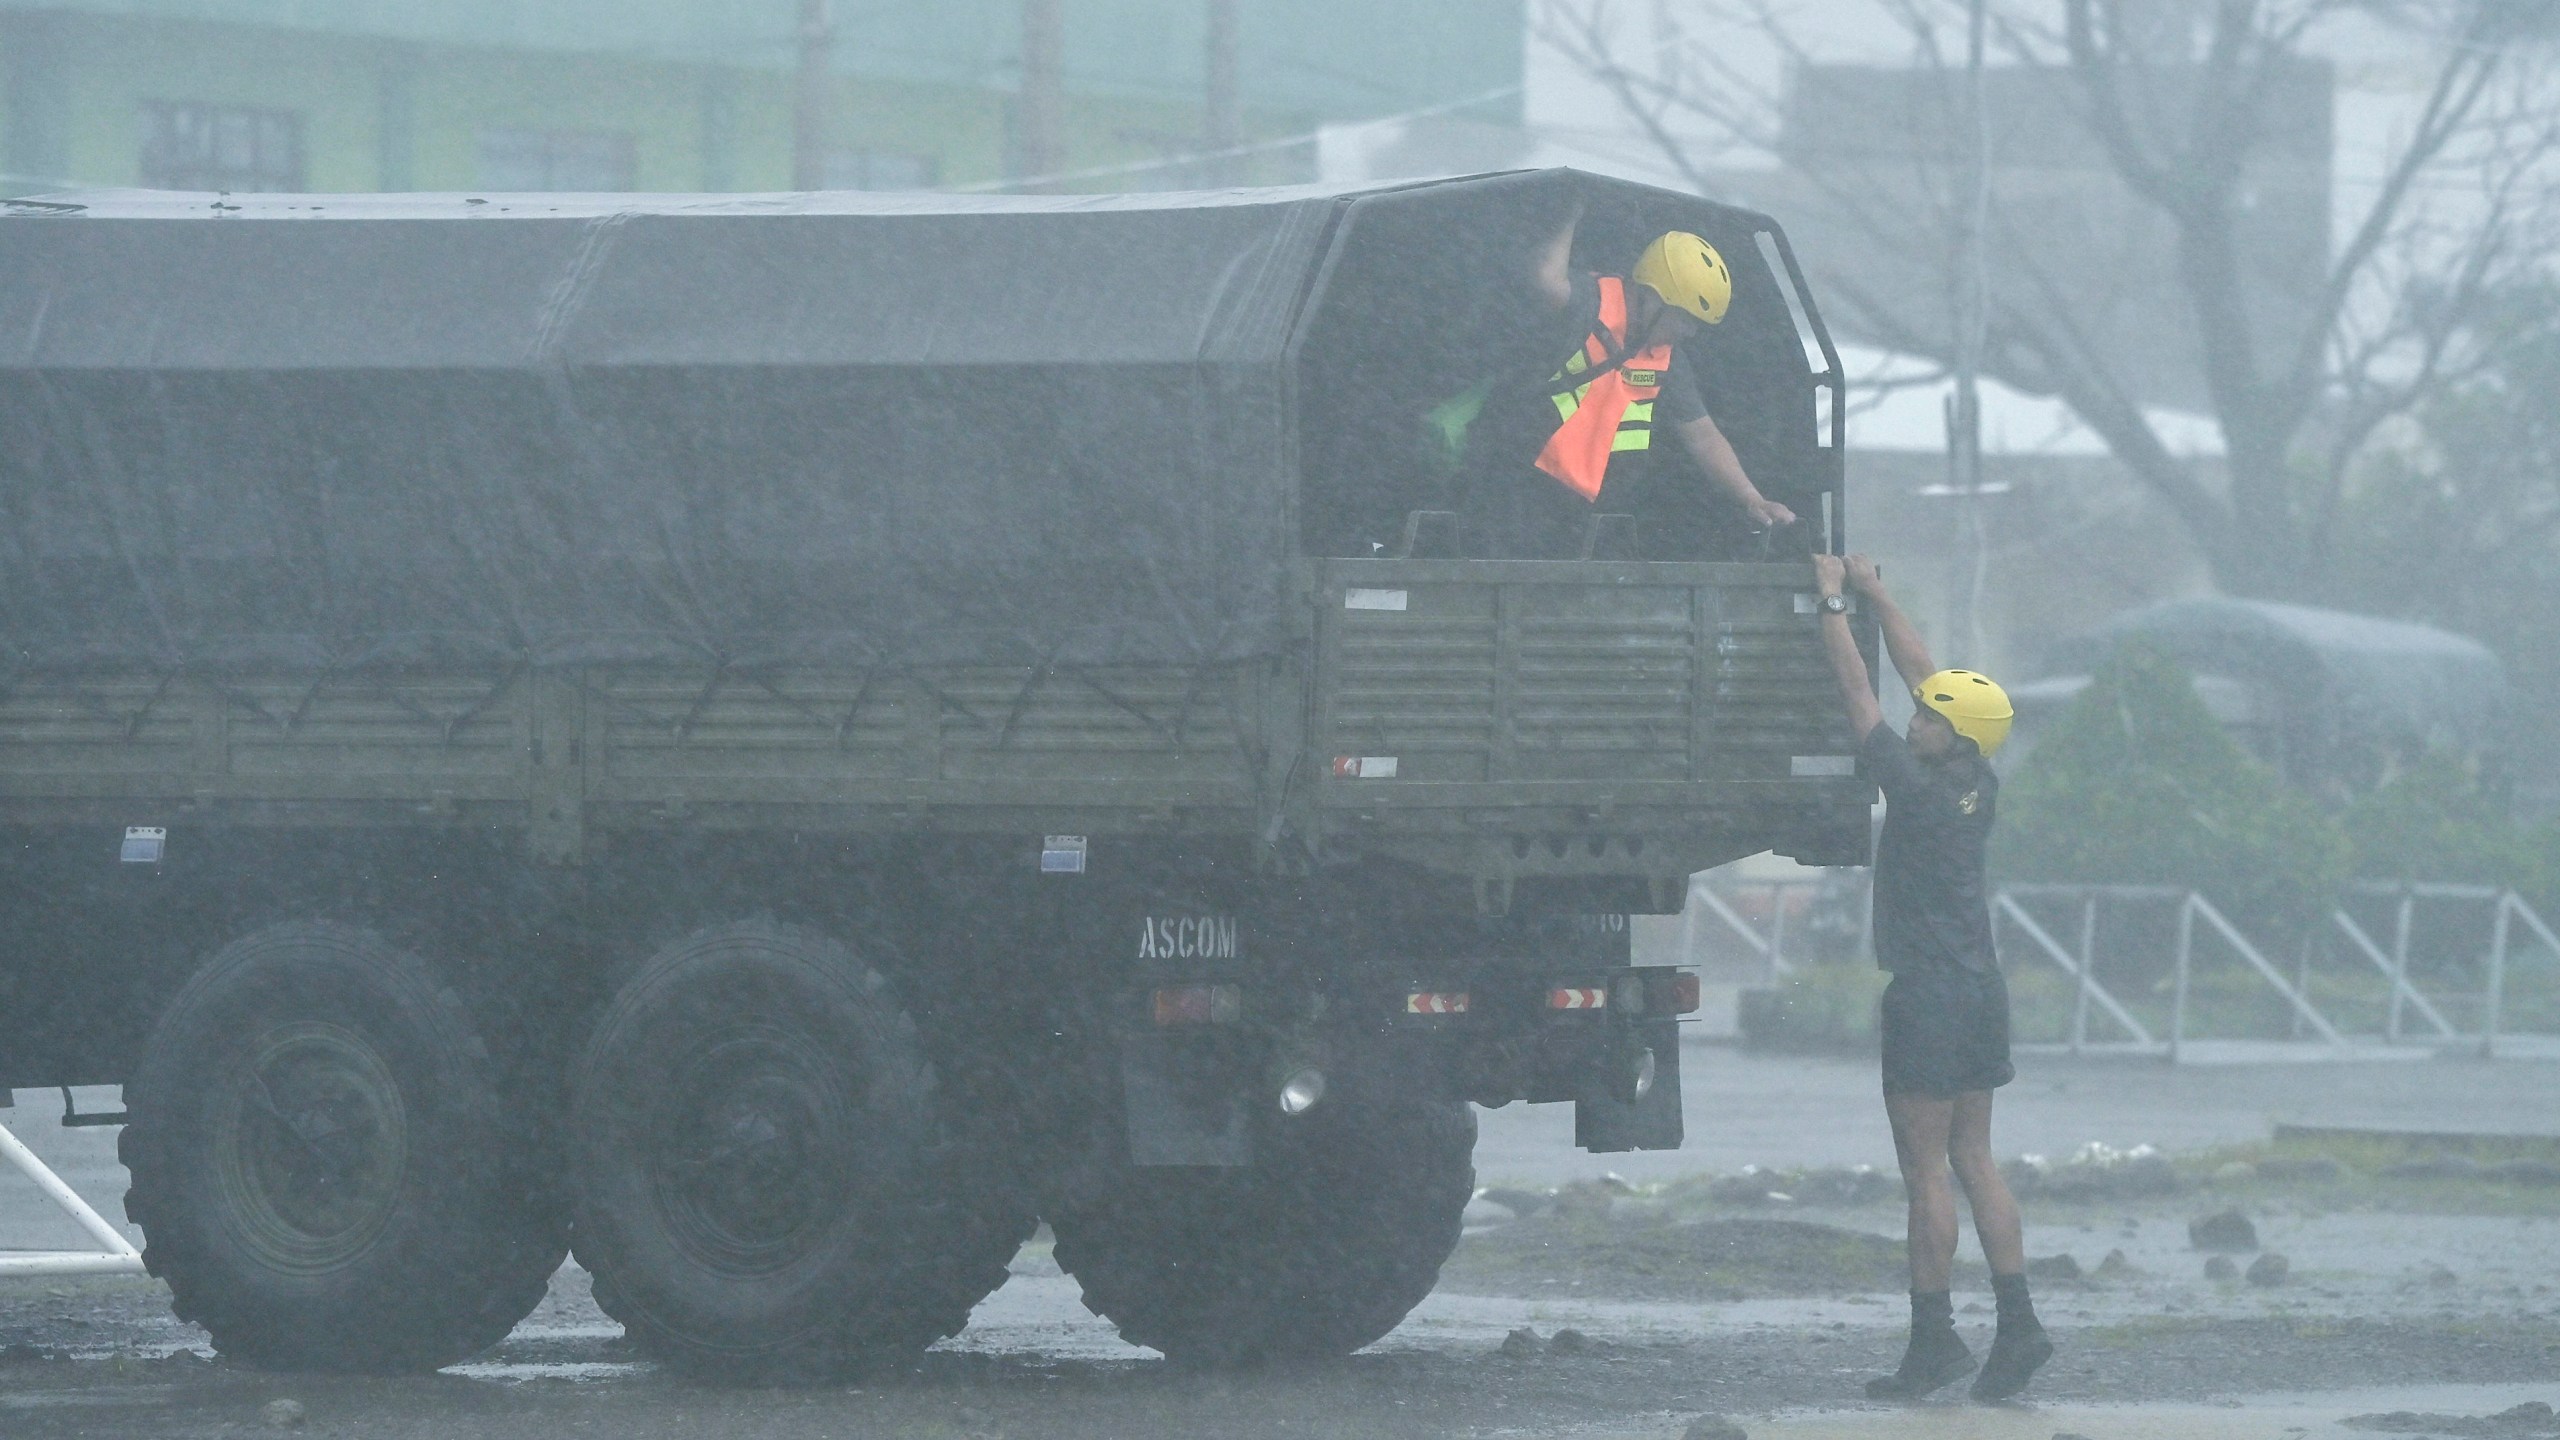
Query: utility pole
x=809, y=129
x=1038, y=115
x=1223, y=102
x=1964, y=409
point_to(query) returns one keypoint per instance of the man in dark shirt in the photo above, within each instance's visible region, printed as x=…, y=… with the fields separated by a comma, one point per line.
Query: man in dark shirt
x=1575, y=436
x=1946, y=1011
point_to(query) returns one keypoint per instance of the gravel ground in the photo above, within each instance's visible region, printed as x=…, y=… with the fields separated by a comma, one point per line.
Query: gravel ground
x=1624, y=1339
x=2424, y=1290
x=1043, y=1370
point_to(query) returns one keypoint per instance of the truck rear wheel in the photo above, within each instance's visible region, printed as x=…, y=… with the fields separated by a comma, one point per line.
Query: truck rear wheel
x=325, y=1171
x=763, y=1192
x=1314, y=1252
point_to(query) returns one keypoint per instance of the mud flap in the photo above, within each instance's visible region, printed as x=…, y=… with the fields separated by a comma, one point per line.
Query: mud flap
x=1651, y=1122
x=1178, y=1116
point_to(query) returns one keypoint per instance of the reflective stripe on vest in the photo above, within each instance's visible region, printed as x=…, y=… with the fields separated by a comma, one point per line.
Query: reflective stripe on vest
x=1610, y=412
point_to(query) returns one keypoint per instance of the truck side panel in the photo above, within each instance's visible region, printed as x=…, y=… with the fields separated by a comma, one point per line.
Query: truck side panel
x=1494, y=722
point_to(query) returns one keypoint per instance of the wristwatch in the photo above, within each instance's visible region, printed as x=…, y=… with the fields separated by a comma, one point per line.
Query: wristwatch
x=1835, y=605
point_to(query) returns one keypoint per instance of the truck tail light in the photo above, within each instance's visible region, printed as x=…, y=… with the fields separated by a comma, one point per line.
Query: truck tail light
x=1578, y=997
x=1199, y=1005
x=1436, y=1002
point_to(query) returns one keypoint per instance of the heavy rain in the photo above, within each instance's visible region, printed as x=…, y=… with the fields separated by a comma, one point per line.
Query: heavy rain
x=1599, y=719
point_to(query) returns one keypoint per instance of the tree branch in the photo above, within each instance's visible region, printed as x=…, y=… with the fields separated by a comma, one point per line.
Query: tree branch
x=2457, y=88
x=2096, y=63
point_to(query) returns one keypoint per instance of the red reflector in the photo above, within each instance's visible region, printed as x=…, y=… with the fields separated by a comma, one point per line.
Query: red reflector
x=1199, y=1005
x=1436, y=1002
x=1578, y=997
x=1684, y=994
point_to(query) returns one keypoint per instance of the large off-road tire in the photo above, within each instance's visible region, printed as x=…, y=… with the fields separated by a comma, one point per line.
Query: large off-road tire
x=763, y=1188
x=324, y=1168
x=1314, y=1251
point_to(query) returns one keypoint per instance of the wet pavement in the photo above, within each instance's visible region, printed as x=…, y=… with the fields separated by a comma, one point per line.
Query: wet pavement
x=2442, y=1309
x=2278, y=1416
x=1784, y=1111
x=1035, y=1366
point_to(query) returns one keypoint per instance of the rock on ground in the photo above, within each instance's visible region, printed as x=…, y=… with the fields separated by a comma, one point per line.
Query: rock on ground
x=2224, y=1231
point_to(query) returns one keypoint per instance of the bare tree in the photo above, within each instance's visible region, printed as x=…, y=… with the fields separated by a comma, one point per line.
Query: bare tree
x=2302, y=357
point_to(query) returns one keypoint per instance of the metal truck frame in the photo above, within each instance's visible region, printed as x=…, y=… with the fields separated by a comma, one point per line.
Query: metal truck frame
x=791, y=988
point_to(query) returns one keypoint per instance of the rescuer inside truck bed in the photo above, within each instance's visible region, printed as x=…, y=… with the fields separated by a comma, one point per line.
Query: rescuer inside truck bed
x=1565, y=445
x=1946, y=1011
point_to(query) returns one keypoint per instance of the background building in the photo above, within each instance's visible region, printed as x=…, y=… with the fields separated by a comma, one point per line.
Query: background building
x=340, y=95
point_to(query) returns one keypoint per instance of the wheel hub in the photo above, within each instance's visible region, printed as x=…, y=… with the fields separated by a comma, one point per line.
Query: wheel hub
x=744, y=1159
x=310, y=1146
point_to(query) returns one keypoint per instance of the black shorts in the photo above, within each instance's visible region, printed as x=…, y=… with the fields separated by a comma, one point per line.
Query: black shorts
x=1946, y=1031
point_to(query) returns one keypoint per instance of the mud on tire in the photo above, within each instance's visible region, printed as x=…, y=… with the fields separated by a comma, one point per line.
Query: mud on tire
x=325, y=1170
x=1317, y=1250
x=762, y=1185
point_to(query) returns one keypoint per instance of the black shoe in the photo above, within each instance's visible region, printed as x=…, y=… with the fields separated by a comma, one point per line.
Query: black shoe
x=2016, y=1354
x=1935, y=1359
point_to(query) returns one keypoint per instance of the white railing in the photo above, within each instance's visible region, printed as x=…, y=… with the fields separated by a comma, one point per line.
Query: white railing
x=2507, y=911
x=2009, y=904
x=2082, y=966
x=1714, y=901
x=2099, y=1019
x=117, y=1255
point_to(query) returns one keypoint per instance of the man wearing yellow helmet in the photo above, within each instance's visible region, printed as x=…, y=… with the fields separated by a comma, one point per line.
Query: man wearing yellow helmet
x=1946, y=1012
x=1588, y=425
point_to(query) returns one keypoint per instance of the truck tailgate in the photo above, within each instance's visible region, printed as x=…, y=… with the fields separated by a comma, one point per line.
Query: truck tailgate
x=1587, y=701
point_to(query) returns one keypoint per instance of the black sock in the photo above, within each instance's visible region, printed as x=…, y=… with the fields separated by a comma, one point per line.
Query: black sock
x=2020, y=1347
x=2009, y=1292
x=1936, y=1355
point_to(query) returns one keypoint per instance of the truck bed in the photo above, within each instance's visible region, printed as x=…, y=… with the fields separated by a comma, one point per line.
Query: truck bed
x=1489, y=719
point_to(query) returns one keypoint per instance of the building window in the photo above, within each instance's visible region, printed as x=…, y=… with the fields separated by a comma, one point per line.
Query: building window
x=881, y=170
x=573, y=160
x=192, y=146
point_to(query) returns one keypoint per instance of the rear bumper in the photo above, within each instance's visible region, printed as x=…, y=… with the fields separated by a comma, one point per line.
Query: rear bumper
x=1203, y=1092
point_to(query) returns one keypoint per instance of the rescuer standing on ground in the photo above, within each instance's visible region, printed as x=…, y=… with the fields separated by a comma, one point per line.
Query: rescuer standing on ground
x=1946, y=1012
x=1587, y=429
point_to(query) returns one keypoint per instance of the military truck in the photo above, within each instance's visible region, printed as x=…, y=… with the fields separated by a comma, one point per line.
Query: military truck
x=775, y=743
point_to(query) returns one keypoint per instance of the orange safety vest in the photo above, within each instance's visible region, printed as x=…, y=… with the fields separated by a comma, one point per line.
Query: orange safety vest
x=1610, y=412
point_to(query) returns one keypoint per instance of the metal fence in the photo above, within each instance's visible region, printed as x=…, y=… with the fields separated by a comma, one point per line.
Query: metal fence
x=1713, y=905
x=2409, y=903
x=2462, y=1002
x=2194, y=914
x=117, y=1255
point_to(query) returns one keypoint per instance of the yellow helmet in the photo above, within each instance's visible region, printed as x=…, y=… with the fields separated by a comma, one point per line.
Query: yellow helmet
x=1687, y=273
x=1979, y=710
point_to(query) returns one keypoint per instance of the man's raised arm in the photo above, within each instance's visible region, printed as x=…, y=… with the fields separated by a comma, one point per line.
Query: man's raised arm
x=1901, y=639
x=1553, y=270
x=1847, y=665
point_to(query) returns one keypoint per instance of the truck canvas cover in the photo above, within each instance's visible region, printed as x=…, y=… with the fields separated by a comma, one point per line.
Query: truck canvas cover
x=319, y=433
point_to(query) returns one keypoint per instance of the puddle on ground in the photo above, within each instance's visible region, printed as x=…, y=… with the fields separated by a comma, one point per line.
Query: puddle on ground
x=124, y=1396
x=2278, y=1416
x=508, y=1372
